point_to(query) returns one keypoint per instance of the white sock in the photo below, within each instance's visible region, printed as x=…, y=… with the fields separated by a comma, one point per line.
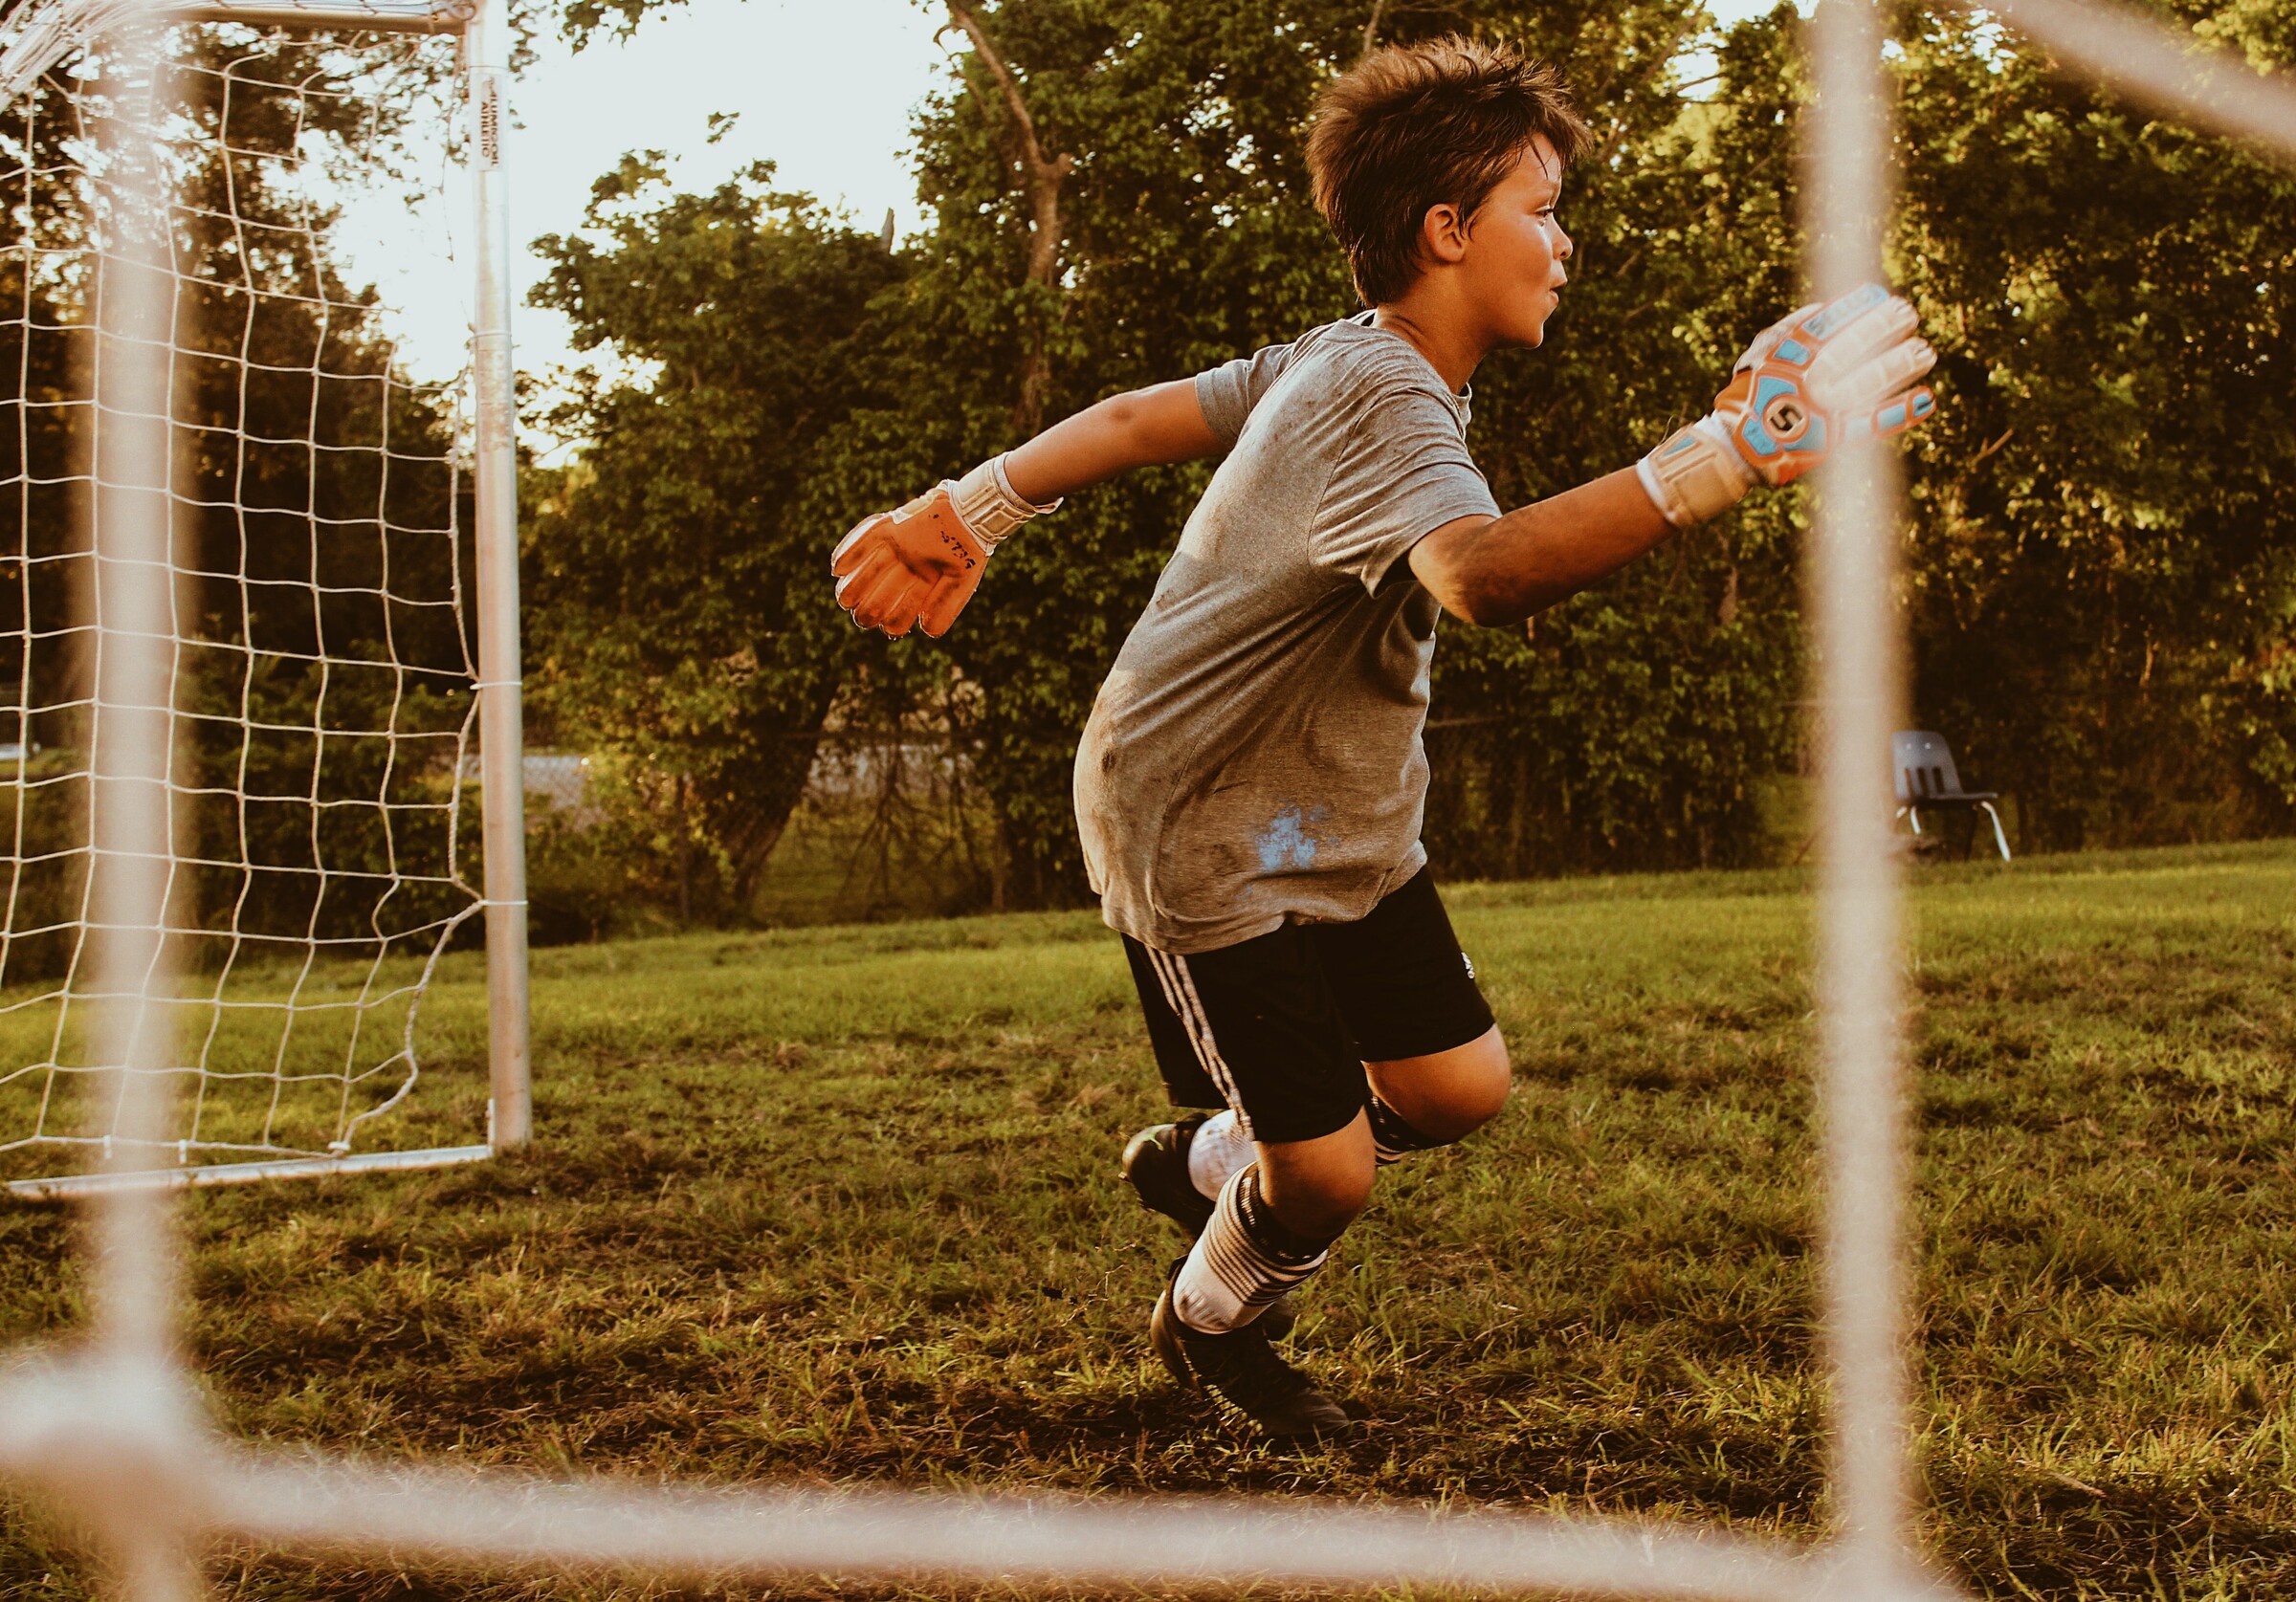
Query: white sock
x=1219, y=1149
x=1244, y=1259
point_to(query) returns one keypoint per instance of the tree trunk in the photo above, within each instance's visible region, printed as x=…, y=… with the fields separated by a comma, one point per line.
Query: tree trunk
x=752, y=812
x=685, y=859
x=1519, y=817
x=1041, y=177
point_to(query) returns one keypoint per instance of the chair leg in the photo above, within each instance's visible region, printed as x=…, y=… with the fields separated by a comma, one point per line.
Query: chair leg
x=1998, y=838
x=1913, y=815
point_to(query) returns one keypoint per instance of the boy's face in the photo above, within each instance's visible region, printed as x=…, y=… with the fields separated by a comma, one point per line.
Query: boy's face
x=1512, y=266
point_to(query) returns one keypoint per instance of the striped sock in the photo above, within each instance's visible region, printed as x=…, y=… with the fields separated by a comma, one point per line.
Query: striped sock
x=1219, y=1148
x=1391, y=1139
x=1245, y=1258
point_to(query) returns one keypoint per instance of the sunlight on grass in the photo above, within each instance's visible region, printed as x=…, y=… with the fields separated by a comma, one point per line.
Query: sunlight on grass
x=841, y=1203
x=287, y=1057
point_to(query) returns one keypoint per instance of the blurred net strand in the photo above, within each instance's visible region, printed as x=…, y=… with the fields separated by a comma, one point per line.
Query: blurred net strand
x=288, y=135
x=2174, y=73
x=491, y=1522
x=131, y=816
x=105, y=1434
x=1852, y=567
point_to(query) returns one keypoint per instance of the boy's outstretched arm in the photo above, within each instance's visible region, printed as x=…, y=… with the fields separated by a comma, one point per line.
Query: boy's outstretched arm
x=1496, y=570
x=1824, y=377
x=920, y=564
x=1140, y=429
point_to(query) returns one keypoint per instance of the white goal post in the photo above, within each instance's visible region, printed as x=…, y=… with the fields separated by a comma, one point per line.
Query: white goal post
x=340, y=573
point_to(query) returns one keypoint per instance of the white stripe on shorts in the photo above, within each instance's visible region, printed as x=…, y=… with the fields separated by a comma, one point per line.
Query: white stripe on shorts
x=1179, y=993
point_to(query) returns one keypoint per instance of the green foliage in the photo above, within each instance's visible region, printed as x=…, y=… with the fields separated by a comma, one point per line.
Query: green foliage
x=316, y=500
x=1642, y=713
x=322, y=501
x=615, y=864
x=2104, y=595
x=2102, y=591
x=1633, y=725
x=678, y=615
x=840, y=1206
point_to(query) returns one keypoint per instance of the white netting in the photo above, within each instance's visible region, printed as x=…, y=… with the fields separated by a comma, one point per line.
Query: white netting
x=115, y=1435
x=320, y=660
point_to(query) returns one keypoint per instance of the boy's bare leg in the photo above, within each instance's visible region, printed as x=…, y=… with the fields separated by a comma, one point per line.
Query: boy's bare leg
x=1317, y=1187
x=1449, y=1094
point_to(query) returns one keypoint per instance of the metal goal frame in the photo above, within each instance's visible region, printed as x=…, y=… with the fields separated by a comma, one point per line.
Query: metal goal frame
x=45, y=33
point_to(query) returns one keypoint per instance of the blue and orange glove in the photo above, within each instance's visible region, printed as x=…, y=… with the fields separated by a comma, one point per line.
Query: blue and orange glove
x=1825, y=376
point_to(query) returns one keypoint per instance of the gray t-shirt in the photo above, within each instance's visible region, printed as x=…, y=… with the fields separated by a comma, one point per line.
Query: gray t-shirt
x=1254, y=756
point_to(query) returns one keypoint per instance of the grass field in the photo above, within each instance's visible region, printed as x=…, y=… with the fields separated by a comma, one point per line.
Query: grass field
x=839, y=1204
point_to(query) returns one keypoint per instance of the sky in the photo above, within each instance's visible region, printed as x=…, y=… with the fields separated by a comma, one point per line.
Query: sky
x=825, y=91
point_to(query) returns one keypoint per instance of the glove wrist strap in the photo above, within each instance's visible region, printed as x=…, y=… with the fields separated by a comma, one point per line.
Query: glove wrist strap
x=986, y=502
x=1695, y=474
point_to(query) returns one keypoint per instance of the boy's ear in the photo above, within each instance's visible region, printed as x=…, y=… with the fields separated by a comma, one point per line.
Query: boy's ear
x=1443, y=234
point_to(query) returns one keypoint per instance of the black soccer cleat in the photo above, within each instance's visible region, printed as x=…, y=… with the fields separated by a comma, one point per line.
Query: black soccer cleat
x=1155, y=1165
x=1241, y=1369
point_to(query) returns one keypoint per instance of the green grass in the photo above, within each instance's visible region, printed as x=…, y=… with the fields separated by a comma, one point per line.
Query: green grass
x=280, y=1078
x=838, y=1204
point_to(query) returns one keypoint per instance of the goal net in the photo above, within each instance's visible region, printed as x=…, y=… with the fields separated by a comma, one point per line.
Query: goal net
x=322, y=643
x=112, y=1430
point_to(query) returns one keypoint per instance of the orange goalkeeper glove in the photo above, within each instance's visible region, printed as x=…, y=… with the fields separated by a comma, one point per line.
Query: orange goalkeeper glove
x=920, y=564
x=1825, y=376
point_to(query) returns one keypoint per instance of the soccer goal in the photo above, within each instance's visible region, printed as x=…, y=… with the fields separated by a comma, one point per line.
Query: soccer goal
x=337, y=594
x=112, y=1429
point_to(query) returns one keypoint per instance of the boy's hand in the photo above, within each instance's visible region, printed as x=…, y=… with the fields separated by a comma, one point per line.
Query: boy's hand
x=922, y=563
x=919, y=564
x=1825, y=376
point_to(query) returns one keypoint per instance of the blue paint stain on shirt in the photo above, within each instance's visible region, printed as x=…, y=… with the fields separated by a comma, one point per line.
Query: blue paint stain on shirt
x=1288, y=840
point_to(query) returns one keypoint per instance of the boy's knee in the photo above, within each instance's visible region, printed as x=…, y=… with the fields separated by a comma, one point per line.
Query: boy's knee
x=1476, y=1097
x=1448, y=1096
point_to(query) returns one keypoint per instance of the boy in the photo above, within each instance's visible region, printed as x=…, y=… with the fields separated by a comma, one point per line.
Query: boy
x=1251, y=783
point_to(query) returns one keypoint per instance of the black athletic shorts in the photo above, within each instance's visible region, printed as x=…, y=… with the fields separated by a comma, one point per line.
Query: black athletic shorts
x=1279, y=1027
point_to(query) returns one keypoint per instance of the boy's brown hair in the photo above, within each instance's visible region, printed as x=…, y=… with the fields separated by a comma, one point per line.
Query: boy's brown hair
x=1414, y=126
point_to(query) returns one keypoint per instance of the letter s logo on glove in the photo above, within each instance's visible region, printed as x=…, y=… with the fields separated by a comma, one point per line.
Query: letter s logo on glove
x=1826, y=376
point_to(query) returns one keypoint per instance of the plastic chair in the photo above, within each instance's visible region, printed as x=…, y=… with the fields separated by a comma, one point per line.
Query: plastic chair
x=1927, y=777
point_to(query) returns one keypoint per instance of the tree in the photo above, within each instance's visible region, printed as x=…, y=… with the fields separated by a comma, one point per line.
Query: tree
x=2100, y=587
x=294, y=540
x=2103, y=594
x=677, y=610
x=2101, y=591
x=1192, y=238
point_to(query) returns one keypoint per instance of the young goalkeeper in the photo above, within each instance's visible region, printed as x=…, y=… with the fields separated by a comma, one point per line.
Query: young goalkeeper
x=1250, y=784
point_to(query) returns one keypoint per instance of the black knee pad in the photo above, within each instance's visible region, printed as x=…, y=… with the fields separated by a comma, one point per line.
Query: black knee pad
x=1392, y=1136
